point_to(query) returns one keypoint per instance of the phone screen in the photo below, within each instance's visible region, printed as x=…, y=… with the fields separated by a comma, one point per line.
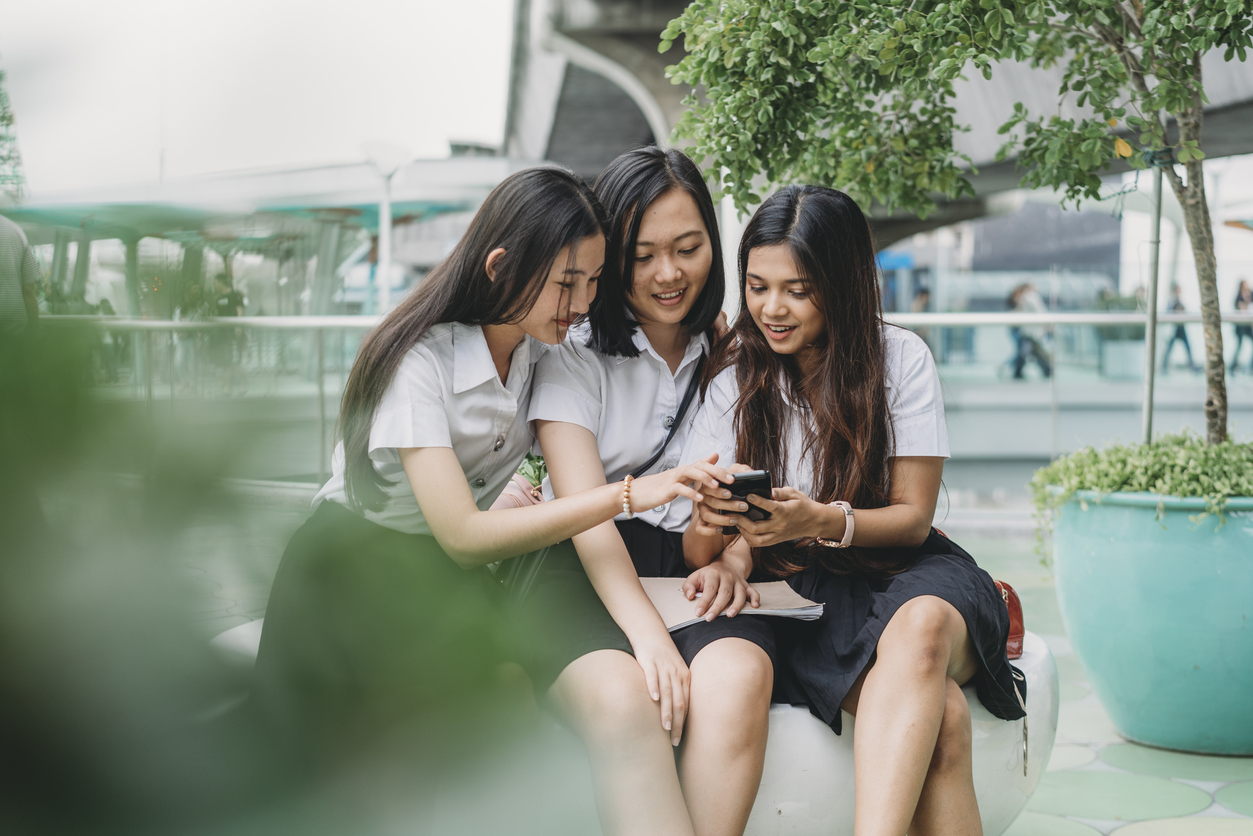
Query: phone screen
x=750, y=482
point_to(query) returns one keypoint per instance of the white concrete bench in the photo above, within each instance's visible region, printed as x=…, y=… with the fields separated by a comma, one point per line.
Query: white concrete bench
x=807, y=786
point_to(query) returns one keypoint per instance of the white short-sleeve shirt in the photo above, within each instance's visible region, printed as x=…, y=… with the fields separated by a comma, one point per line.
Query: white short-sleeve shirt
x=915, y=406
x=447, y=393
x=628, y=403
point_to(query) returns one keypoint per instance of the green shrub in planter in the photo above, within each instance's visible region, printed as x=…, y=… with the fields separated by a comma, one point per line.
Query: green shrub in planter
x=1153, y=554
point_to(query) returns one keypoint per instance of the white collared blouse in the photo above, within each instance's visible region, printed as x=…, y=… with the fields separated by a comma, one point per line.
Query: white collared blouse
x=628, y=403
x=915, y=407
x=446, y=393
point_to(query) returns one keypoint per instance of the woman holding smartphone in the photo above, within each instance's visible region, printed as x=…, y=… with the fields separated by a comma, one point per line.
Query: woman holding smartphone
x=380, y=603
x=846, y=412
x=618, y=398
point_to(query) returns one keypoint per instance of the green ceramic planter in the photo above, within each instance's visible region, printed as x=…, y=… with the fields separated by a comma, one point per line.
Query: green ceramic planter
x=1160, y=613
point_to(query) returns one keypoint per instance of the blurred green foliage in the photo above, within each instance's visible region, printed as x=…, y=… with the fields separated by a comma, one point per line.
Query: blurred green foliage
x=116, y=713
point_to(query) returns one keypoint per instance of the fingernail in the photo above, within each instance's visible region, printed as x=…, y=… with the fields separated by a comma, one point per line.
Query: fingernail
x=743, y=507
x=655, y=697
x=667, y=725
x=674, y=741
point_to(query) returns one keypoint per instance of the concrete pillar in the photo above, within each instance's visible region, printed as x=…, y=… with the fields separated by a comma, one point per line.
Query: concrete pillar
x=193, y=270
x=82, y=264
x=132, y=276
x=60, y=257
x=904, y=290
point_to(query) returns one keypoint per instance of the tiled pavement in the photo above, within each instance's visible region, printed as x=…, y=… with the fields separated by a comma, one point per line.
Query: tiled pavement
x=1096, y=782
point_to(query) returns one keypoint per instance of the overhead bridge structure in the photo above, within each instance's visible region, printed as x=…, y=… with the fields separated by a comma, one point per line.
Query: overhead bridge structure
x=587, y=83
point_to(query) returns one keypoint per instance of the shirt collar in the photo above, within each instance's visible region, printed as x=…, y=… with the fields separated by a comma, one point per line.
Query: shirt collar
x=472, y=363
x=471, y=359
x=696, y=345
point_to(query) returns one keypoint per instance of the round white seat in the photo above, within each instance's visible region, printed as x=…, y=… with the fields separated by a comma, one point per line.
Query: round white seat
x=807, y=786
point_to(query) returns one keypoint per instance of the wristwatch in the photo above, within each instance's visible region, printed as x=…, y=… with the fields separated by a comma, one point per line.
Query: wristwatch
x=848, y=527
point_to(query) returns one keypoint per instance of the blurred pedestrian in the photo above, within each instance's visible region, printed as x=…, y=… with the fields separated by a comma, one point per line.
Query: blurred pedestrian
x=20, y=278
x=226, y=302
x=1181, y=333
x=1244, y=302
x=1026, y=299
x=110, y=343
x=192, y=308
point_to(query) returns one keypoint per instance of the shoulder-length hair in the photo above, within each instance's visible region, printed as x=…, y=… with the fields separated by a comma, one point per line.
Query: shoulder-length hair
x=626, y=188
x=532, y=215
x=848, y=435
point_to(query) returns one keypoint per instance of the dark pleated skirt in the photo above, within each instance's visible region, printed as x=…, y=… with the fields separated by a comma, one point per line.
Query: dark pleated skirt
x=562, y=618
x=368, y=629
x=822, y=659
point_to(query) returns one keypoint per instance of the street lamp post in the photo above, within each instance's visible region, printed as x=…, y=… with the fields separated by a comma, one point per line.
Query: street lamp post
x=384, y=272
x=386, y=159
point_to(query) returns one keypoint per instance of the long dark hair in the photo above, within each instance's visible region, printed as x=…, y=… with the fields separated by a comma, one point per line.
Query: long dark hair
x=532, y=215
x=627, y=187
x=848, y=438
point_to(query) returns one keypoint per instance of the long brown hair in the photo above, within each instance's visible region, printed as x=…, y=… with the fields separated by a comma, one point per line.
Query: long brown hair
x=848, y=435
x=531, y=215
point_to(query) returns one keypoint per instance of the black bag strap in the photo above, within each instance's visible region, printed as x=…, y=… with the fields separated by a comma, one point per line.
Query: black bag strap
x=688, y=395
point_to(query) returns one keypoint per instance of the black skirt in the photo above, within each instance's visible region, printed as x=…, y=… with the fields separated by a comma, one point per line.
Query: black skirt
x=822, y=659
x=562, y=618
x=367, y=629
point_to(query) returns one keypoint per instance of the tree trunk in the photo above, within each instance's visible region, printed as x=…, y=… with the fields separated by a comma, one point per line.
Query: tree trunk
x=1201, y=234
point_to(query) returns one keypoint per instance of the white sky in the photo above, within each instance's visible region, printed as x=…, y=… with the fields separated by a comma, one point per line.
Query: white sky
x=246, y=83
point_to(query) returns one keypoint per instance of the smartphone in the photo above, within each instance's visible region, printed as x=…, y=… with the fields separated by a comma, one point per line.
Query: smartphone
x=743, y=484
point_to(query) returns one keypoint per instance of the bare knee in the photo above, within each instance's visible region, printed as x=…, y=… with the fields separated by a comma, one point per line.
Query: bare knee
x=603, y=695
x=731, y=673
x=923, y=631
x=953, y=746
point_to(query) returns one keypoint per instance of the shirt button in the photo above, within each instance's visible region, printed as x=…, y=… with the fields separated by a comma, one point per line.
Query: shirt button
x=660, y=508
x=478, y=483
x=500, y=442
x=669, y=422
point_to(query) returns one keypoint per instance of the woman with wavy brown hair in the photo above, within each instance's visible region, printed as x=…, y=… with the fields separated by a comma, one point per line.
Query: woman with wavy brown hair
x=846, y=413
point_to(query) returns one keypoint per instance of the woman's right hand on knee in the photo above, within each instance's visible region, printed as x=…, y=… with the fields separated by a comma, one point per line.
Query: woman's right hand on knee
x=689, y=480
x=668, y=681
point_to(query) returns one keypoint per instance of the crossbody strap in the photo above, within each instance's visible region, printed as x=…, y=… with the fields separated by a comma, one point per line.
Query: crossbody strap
x=692, y=386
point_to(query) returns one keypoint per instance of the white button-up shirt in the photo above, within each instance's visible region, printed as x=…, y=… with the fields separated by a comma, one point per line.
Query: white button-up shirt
x=628, y=403
x=446, y=393
x=915, y=406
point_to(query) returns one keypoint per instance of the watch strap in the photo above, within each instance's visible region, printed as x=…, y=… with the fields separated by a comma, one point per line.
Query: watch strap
x=847, y=539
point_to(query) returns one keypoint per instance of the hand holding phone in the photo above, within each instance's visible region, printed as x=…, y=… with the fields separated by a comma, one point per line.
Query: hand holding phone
x=750, y=482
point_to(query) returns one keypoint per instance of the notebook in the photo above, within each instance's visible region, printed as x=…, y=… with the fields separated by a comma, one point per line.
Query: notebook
x=777, y=598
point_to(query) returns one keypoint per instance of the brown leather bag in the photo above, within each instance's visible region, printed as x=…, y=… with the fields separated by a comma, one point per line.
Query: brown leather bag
x=1013, y=647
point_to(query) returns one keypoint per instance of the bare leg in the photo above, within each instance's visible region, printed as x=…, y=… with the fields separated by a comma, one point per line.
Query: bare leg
x=604, y=698
x=900, y=705
x=724, y=740
x=947, y=803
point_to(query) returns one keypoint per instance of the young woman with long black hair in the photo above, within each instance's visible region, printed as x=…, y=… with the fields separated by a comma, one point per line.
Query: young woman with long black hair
x=377, y=610
x=846, y=413
x=608, y=402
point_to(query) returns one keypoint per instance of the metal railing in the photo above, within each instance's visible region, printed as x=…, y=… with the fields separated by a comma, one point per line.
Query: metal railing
x=282, y=356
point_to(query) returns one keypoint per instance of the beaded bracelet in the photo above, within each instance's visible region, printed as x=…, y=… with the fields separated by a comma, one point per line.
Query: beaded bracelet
x=626, y=496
